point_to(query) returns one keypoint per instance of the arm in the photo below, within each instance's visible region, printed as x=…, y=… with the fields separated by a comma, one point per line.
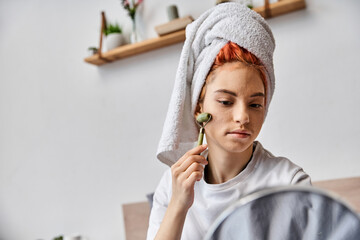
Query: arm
x=185, y=172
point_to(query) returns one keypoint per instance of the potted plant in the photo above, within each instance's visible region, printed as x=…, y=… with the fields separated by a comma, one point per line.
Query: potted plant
x=113, y=36
x=93, y=50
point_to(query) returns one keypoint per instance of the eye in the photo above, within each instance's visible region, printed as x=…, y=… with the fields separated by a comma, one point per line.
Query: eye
x=226, y=103
x=255, y=105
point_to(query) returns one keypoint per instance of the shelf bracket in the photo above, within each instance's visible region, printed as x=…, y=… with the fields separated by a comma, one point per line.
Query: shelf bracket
x=102, y=30
x=267, y=9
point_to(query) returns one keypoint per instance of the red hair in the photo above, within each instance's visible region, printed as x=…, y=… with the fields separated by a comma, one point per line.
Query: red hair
x=232, y=52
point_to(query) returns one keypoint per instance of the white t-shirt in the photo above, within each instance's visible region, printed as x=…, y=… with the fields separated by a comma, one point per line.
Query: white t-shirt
x=263, y=170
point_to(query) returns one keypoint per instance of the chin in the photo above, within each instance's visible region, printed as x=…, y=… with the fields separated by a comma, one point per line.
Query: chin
x=238, y=147
x=230, y=145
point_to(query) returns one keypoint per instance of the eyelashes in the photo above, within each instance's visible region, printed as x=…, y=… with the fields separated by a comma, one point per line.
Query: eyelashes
x=256, y=105
x=227, y=103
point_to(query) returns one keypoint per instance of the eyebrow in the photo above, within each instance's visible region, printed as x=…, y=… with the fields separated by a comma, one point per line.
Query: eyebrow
x=258, y=94
x=226, y=91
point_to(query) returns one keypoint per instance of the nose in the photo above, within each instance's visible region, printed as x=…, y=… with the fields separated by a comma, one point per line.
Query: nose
x=241, y=115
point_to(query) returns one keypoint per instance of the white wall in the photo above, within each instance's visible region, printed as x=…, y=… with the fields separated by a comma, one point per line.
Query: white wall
x=77, y=141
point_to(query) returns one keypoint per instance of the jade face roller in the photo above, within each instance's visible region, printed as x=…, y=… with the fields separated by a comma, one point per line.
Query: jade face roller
x=202, y=120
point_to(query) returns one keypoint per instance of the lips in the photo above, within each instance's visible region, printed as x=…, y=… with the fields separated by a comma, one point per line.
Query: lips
x=240, y=133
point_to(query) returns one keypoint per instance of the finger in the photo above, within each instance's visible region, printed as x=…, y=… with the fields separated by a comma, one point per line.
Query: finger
x=195, y=151
x=195, y=176
x=195, y=167
x=178, y=171
x=192, y=159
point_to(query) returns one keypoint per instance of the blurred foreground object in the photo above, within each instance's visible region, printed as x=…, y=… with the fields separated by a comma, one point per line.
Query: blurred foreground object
x=291, y=212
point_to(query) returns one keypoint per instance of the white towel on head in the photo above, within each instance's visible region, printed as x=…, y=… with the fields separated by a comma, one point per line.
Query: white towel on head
x=204, y=39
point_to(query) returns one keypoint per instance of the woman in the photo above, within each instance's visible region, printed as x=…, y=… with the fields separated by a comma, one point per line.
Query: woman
x=226, y=70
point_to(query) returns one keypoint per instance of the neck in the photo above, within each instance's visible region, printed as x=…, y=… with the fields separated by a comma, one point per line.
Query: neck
x=224, y=165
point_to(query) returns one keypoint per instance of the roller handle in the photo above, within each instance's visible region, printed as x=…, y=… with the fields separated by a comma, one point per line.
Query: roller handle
x=201, y=136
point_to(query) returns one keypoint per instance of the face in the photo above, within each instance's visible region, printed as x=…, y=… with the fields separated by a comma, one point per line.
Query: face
x=235, y=97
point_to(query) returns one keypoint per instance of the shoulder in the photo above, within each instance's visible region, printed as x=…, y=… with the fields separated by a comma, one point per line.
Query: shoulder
x=163, y=190
x=279, y=169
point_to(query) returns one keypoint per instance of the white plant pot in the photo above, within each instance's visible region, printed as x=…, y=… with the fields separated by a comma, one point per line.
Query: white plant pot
x=113, y=40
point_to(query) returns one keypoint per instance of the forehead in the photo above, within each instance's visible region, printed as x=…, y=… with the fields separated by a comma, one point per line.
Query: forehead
x=236, y=77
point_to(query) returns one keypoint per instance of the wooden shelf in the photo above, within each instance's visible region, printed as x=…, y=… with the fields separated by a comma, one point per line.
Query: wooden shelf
x=281, y=7
x=274, y=9
x=136, y=48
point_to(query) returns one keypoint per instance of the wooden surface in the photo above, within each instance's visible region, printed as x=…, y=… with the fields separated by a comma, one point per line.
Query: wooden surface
x=273, y=10
x=281, y=7
x=136, y=215
x=173, y=26
x=136, y=48
x=348, y=189
x=136, y=219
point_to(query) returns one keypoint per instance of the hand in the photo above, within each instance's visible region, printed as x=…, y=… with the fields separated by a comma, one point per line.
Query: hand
x=185, y=172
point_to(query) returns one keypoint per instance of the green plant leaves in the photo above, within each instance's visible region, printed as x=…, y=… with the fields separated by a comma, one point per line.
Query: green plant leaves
x=112, y=28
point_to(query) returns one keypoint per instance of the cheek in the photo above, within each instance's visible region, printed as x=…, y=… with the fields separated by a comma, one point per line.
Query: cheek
x=218, y=115
x=258, y=120
x=214, y=108
x=218, y=123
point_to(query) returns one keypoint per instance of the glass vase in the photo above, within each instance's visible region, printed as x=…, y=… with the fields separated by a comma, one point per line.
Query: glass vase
x=134, y=36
